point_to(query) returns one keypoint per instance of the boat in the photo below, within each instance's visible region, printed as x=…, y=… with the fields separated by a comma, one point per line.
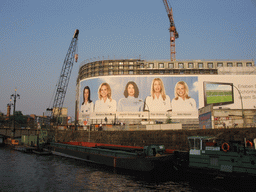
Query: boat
x=42, y=152
x=25, y=149
x=148, y=158
x=221, y=159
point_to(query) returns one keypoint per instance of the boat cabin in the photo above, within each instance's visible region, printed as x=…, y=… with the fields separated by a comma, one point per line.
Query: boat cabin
x=199, y=143
x=232, y=156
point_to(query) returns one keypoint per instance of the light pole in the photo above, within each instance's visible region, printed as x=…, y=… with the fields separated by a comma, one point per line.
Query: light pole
x=148, y=109
x=9, y=107
x=241, y=105
x=14, y=96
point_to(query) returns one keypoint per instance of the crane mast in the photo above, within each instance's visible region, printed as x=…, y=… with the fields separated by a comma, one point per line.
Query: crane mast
x=173, y=32
x=63, y=81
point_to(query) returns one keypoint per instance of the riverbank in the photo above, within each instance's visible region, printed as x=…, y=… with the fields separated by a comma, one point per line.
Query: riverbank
x=171, y=139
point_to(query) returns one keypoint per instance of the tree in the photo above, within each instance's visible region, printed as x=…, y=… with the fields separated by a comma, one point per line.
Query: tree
x=19, y=118
x=169, y=120
x=2, y=118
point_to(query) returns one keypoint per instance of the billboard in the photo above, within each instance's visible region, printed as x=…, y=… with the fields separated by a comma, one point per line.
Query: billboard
x=234, y=91
x=205, y=120
x=161, y=97
x=217, y=93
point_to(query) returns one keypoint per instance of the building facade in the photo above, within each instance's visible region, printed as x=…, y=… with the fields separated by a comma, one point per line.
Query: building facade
x=199, y=76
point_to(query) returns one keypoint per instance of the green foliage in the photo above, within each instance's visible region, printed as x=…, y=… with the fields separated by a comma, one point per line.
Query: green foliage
x=2, y=118
x=19, y=118
x=169, y=120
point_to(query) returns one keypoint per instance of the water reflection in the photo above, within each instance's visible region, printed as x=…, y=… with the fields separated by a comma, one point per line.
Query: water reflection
x=30, y=172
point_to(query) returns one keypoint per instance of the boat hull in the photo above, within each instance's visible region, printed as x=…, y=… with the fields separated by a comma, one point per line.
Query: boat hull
x=114, y=158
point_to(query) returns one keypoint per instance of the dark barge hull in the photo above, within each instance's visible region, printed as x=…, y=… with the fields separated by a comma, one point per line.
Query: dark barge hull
x=115, y=158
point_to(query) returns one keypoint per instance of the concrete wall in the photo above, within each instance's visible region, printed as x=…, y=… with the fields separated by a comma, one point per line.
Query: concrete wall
x=172, y=139
x=164, y=126
x=18, y=132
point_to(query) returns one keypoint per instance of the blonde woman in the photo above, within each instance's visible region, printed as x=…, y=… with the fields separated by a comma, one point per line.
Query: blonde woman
x=158, y=100
x=105, y=102
x=182, y=102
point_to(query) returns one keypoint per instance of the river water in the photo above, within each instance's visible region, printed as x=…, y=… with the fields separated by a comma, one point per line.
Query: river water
x=30, y=172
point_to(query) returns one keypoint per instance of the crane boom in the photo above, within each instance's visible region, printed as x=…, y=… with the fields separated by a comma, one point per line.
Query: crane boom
x=62, y=85
x=173, y=32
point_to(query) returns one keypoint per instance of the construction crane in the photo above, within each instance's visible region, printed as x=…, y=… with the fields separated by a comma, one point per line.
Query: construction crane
x=173, y=32
x=62, y=85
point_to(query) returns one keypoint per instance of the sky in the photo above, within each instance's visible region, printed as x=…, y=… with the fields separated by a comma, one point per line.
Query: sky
x=35, y=36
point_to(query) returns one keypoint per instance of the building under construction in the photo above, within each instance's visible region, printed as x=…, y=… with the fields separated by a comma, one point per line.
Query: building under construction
x=236, y=77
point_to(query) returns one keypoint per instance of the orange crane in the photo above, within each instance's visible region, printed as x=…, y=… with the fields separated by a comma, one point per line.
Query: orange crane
x=173, y=32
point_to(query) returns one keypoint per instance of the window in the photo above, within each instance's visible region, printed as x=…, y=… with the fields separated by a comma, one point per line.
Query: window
x=160, y=65
x=110, y=67
x=110, y=64
x=130, y=72
x=210, y=65
x=239, y=64
x=219, y=64
x=182, y=72
x=130, y=66
x=121, y=67
x=171, y=65
x=230, y=64
x=194, y=144
x=121, y=72
x=101, y=73
x=151, y=65
x=151, y=72
x=161, y=72
x=110, y=72
x=141, y=65
x=197, y=143
x=200, y=65
x=181, y=65
x=130, y=63
x=141, y=72
x=121, y=63
x=190, y=65
x=248, y=64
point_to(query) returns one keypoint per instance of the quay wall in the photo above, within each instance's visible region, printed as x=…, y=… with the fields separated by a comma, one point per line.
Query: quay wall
x=172, y=139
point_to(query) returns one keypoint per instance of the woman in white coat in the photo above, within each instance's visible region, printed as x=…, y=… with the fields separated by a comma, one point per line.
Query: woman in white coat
x=105, y=102
x=182, y=102
x=158, y=100
x=87, y=105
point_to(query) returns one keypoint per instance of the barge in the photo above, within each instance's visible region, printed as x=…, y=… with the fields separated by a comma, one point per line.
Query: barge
x=148, y=158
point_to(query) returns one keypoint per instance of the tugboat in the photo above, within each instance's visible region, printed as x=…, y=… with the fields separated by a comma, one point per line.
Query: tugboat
x=233, y=158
